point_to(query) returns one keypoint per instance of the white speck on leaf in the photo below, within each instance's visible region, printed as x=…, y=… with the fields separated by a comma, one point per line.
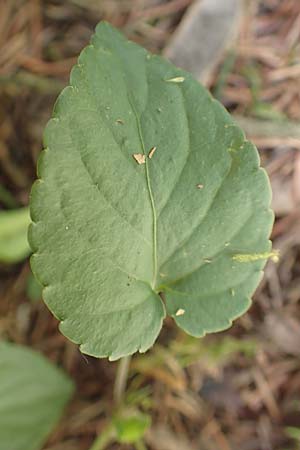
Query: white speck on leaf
x=252, y=257
x=180, y=312
x=151, y=153
x=199, y=186
x=176, y=80
x=140, y=158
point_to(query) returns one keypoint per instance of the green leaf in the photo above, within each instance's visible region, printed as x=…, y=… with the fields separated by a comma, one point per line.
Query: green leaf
x=14, y=246
x=109, y=234
x=33, y=394
x=131, y=429
x=293, y=433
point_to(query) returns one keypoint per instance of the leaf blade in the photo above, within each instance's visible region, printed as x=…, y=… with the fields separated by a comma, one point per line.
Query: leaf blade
x=29, y=383
x=118, y=233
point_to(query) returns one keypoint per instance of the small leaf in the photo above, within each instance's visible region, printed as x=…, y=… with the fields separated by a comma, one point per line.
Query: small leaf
x=110, y=235
x=33, y=394
x=132, y=429
x=14, y=246
x=293, y=432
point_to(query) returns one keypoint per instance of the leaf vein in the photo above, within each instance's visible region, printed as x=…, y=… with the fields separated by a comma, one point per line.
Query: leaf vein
x=198, y=224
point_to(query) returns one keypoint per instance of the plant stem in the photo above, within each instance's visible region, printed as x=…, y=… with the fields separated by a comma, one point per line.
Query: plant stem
x=108, y=434
x=103, y=439
x=121, y=379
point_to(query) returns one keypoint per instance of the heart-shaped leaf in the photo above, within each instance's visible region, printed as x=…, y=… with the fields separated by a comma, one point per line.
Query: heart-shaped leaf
x=33, y=394
x=146, y=187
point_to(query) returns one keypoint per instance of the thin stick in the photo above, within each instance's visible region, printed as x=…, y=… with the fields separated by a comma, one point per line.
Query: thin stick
x=121, y=379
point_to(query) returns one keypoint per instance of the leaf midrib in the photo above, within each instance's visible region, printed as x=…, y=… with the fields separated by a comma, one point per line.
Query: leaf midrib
x=154, y=215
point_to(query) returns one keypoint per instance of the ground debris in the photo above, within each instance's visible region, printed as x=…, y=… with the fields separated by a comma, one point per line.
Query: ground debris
x=140, y=158
x=151, y=152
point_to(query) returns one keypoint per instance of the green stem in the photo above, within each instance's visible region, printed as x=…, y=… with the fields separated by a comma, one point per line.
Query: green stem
x=104, y=438
x=108, y=434
x=121, y=379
